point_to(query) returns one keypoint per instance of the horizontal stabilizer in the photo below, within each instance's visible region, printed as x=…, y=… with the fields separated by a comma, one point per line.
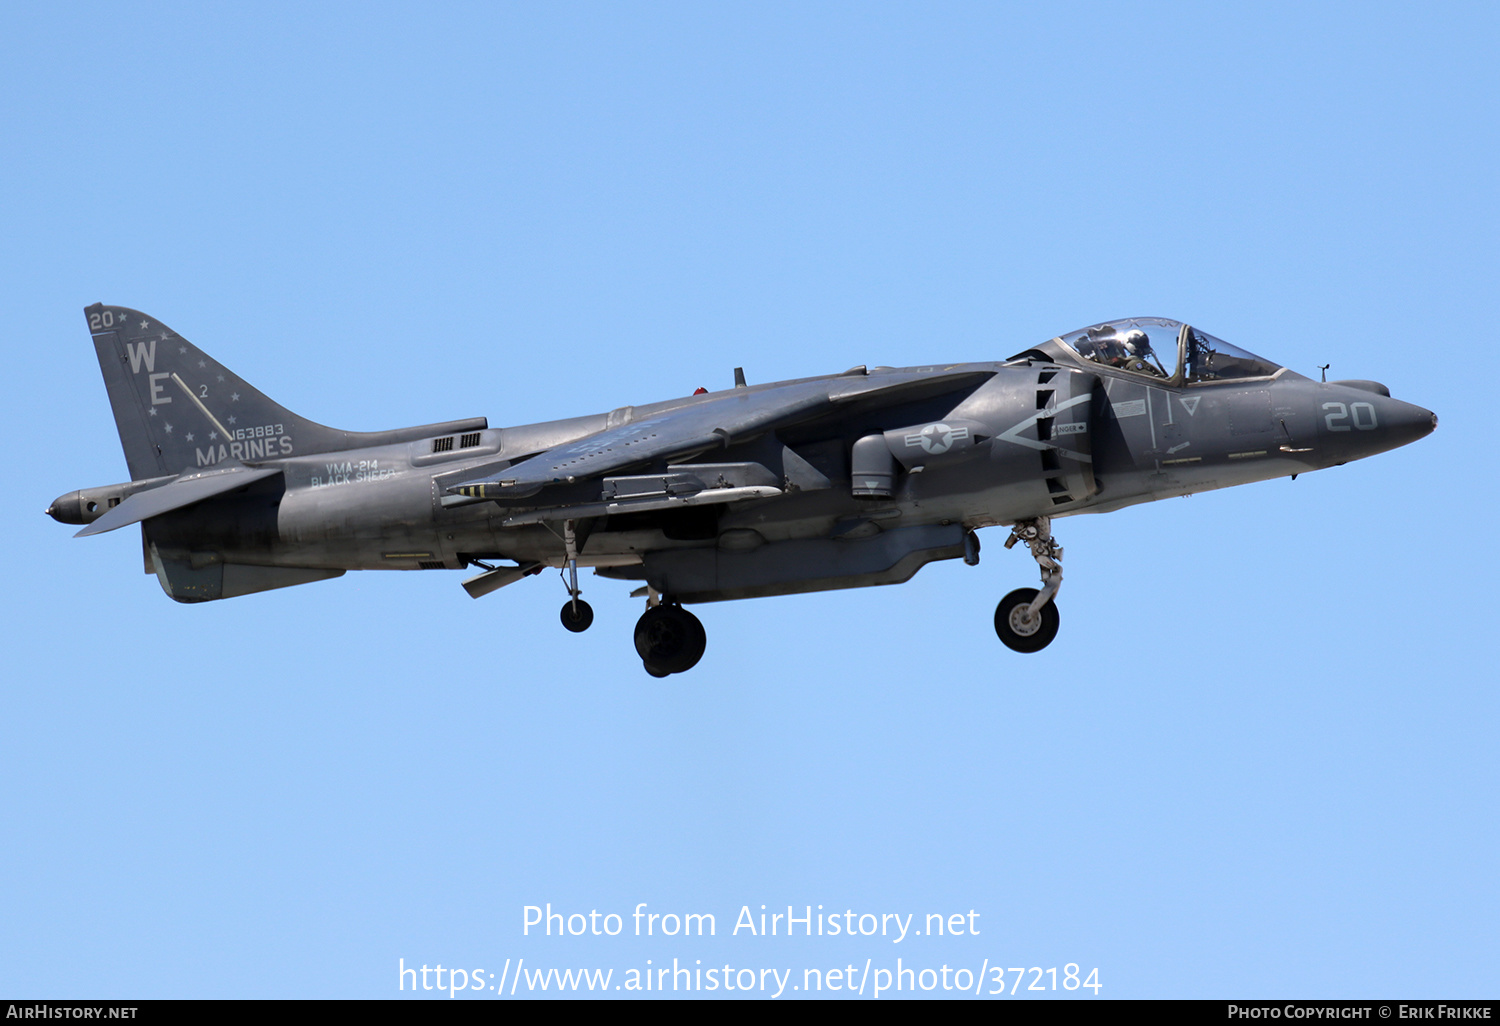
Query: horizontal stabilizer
x=184, y=491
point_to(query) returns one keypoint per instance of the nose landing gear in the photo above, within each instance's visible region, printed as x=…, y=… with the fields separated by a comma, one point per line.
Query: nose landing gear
x=1027, y=620
x=1021, y=630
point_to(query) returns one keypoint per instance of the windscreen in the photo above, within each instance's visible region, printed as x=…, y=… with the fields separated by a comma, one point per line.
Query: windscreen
x=1212, y=359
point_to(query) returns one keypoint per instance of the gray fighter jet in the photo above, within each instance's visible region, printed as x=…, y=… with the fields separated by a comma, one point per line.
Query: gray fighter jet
x=836, y=481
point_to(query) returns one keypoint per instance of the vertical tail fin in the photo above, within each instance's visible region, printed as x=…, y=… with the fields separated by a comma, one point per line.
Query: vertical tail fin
x=177, y=408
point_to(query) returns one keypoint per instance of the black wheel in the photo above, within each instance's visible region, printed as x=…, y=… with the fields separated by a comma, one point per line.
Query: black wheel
x=670, y=639
x=1016, y=631
x=654, y=671
x=697, y=643
x=577, y=620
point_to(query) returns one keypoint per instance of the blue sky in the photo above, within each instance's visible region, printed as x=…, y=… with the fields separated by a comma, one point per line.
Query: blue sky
x=1258, y=761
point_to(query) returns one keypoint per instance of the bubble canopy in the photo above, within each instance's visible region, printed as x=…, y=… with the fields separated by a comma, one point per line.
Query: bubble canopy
x=1158, y=347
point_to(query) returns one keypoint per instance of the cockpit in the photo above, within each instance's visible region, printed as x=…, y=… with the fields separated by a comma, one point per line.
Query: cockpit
x=1157, y=347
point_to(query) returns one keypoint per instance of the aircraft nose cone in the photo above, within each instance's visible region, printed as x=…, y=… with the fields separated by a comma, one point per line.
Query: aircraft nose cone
x=1355, y=421
x=1405, y=422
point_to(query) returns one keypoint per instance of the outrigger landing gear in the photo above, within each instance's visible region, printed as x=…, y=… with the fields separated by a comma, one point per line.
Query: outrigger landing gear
x=576, y=614
x=1027, y=620
x=669, y=639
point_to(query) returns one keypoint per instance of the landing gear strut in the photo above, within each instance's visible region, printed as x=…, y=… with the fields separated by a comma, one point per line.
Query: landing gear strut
x=576, y=614
x=1027, y=620
x=669, y=639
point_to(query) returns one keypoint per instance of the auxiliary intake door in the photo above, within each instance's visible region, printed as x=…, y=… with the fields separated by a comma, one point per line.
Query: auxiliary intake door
x=1063, y=399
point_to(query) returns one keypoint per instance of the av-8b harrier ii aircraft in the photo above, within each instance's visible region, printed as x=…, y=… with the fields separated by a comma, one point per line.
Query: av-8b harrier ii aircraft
x=836, y=481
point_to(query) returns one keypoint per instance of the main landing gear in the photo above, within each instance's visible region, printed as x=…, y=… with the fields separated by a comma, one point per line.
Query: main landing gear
x=1027, y=619
x=669, y=639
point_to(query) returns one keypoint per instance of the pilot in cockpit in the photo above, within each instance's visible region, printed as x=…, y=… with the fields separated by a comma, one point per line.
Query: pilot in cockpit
x=1130, y=350
x=1138, y=355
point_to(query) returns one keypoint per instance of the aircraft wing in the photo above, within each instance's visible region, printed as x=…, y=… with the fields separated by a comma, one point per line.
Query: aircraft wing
x=715, y=422
x=184, y=491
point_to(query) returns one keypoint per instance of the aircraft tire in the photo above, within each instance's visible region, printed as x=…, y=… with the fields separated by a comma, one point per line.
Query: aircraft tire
x=670, y=639
x=1016, y=635
x=581, y=622
x=699, y=641
x=654, y=671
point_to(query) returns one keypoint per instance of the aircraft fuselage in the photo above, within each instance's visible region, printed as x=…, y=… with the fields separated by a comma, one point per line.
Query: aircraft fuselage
x=838, y=481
